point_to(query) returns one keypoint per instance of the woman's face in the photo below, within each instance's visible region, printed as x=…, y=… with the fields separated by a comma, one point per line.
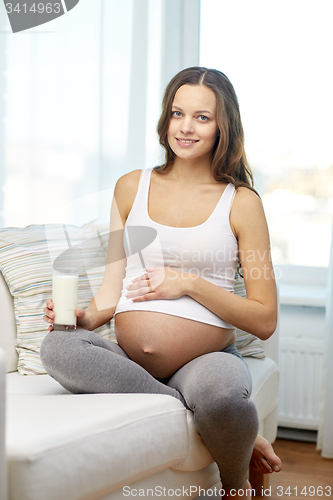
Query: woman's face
x=193, y=129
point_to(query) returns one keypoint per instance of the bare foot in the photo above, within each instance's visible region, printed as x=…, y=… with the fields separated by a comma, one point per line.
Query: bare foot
x=263, y=458
x=245, y=492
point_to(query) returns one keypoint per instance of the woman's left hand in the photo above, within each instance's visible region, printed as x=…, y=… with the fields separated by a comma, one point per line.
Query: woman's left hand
x=157, y=283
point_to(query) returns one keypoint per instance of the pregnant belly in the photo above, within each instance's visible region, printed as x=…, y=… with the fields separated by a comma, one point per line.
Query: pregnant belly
x=162, y=343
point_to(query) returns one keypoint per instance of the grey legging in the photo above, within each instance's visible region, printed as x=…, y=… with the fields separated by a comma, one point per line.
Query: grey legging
x=215, y=386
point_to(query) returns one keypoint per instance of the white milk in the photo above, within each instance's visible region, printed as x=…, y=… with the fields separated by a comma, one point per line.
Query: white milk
x=64, y=296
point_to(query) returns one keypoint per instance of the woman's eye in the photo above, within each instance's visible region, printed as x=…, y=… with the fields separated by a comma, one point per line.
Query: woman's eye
x=203, y=118
x=176, y=113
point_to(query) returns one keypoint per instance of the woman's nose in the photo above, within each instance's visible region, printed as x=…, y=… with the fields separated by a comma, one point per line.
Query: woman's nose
x=187, y=126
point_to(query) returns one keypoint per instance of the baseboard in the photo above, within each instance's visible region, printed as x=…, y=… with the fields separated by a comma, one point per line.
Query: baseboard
x=305, y=435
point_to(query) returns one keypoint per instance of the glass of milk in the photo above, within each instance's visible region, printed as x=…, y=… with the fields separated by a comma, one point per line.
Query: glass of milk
x=64, y=297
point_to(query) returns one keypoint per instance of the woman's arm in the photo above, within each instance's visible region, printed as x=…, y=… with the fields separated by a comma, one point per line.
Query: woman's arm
x=257, y=313
x=103, y=305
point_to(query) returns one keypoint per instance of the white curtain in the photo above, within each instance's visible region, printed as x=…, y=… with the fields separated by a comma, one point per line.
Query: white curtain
x=81, y=97
x=325, y=434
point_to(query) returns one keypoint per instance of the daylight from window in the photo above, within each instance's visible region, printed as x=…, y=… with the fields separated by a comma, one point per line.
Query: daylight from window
x=278, y=57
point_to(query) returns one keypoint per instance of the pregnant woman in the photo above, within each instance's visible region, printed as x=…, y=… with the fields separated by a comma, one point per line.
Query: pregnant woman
x=173, y=303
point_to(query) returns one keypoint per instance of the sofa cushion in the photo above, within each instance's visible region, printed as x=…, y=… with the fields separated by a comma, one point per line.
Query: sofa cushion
x=68, y=446
x=26, y=259
x=43, y=384
x=265, y=379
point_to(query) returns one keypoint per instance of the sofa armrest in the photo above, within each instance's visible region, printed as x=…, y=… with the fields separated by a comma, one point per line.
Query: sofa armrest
x=8, y=326
x=3, y=468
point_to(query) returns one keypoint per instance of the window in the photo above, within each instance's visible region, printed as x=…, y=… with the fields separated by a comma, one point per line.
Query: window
x=74, y=95
x=51, y=126
x=278, y=57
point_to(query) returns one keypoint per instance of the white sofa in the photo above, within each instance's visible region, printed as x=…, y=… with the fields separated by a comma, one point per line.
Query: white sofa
x=60, y=446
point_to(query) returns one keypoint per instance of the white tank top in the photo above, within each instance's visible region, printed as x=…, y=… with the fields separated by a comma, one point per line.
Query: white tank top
x=210, y=250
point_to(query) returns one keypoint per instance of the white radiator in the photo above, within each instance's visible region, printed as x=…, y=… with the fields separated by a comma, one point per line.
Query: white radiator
x=301, y=376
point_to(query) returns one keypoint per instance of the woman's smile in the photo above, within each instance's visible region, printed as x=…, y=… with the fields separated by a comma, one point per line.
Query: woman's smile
x=185, y=143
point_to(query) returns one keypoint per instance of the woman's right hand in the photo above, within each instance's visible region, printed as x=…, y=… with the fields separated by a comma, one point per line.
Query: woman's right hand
x=80, y=313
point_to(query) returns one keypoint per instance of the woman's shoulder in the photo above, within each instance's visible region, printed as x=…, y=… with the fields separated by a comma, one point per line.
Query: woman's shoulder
x=246, y=197
x=129, y=181
x=127, y=184
x=125, y=191
x=247, y=208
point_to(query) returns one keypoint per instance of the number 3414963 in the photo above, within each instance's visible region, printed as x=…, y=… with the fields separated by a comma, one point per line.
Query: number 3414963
x=311, y=491
x=35, y=8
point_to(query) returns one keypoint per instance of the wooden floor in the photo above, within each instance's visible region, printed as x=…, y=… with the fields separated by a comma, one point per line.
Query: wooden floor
x=305, y=473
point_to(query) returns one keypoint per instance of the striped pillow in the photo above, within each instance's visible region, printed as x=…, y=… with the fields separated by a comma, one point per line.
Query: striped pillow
x=246, y=343
x=26, y=259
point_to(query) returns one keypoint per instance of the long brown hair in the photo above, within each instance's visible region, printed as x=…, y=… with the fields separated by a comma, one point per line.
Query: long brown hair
x=229, y=161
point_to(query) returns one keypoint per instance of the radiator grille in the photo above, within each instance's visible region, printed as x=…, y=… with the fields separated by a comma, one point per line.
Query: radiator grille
x=301, y=376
